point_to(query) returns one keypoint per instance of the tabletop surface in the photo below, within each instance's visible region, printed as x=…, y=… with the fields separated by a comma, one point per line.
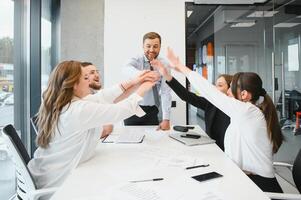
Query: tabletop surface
x=108, y=174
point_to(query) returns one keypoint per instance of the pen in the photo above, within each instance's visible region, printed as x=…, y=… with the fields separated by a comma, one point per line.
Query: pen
x=196, y=166
x=154, y=179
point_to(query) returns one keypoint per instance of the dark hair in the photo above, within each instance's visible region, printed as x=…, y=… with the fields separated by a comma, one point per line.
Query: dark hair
x=227, y=77
x=85, y=64
x=252, y=83
x=151, y=35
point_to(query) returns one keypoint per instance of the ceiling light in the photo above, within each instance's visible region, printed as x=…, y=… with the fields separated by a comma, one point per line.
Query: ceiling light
x=263, y=14
x=243, y=24
x=286, y=25
x=228, y=1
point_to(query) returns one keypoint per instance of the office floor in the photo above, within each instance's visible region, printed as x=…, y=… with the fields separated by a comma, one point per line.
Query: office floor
x=286, y=153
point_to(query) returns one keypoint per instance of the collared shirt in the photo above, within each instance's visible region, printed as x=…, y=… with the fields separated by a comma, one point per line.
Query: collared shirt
x=246, y=139
x=133, y=67
x=77, y=134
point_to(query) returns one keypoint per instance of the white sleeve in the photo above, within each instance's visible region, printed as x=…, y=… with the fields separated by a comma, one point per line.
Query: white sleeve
x=92, y=114
x=132, y=68
x=105, y=95
x=229, y=105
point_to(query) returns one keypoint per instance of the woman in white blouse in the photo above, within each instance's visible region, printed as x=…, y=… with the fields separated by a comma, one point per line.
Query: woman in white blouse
x=254, y=133
x=70, y=119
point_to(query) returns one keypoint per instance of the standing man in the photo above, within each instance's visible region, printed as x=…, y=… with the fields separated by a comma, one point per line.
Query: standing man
x=157, y=99
x=95, y=86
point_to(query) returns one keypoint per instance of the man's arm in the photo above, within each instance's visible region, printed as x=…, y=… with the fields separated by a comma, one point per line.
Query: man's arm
x=132, y=67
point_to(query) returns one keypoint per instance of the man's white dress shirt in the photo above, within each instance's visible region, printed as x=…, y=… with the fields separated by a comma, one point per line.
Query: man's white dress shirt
x=133, y=67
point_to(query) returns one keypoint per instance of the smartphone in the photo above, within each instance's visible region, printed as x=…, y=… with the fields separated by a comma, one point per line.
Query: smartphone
x=191, y=136
x=207, y=176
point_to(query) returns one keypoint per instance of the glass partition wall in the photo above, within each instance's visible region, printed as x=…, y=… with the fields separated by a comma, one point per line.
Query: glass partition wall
x=262, y=38
x=287, y=31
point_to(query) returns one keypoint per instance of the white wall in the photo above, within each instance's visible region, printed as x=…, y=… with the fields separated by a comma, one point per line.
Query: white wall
x=125, y=24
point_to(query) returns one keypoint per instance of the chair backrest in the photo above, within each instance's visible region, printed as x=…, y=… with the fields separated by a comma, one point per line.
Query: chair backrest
x=12, y=133
x=297, y=171
x=25, y=183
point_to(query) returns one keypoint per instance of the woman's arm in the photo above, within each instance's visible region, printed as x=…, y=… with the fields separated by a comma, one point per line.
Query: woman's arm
x=123, y=90
x=182, y=92
x=230, y=106
x=90, y=114
x=185, y=95
x=131, y=86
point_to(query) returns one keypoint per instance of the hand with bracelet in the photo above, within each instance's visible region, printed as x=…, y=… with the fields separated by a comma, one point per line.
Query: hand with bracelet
x=145, y=75
x=144, y=80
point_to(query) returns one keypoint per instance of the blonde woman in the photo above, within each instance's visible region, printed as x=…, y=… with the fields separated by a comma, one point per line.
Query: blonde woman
x=70, y=119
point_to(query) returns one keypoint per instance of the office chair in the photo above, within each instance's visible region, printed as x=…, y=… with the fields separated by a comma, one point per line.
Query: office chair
x=296, y=172
x=26, y=189
x=293, y=105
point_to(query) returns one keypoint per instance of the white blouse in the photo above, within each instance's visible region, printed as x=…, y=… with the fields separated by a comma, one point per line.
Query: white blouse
x=246, y=139
x=78, y=133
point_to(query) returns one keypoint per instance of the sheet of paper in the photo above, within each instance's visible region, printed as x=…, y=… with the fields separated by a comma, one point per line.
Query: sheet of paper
x=203, y=196
x=135, y=192
x=110, y=138
x=127, y=135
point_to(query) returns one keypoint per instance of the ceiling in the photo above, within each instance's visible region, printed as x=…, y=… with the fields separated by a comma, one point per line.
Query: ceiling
x=202, y=14
x=228, y=1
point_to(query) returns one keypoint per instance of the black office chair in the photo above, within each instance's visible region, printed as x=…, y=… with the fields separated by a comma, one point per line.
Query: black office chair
x=12, y=133
x=296, y=172
x=26, y=188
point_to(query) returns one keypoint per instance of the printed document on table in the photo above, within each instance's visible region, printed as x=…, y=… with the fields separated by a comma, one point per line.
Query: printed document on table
x=125, y=136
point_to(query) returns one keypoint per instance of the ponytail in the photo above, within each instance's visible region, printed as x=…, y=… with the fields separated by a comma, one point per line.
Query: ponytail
x=273, y=126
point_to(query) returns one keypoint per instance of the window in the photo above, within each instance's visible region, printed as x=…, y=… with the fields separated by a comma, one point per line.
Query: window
x=293, y=57
x=6, y=62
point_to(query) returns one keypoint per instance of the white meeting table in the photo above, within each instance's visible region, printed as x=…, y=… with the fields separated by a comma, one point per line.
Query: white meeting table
x=108, y=174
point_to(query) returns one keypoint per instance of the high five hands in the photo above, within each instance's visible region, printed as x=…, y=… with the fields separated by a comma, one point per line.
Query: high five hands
x=174, y=61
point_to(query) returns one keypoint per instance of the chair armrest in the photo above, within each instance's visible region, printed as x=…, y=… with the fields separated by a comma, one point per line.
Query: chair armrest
x=36, y=194
x=272, y=195
x=283, y=164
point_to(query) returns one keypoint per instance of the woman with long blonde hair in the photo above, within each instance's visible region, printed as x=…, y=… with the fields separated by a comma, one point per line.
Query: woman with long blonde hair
x=70, y=119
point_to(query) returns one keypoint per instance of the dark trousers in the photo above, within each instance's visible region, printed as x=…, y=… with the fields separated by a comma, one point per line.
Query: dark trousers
x=266, y=184
x=150, y=118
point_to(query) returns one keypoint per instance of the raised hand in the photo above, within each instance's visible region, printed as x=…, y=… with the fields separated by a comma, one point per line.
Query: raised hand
x=173, y=59
x=150, y=76
x=175, y=62
x=161, y=68
x=145, y=75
